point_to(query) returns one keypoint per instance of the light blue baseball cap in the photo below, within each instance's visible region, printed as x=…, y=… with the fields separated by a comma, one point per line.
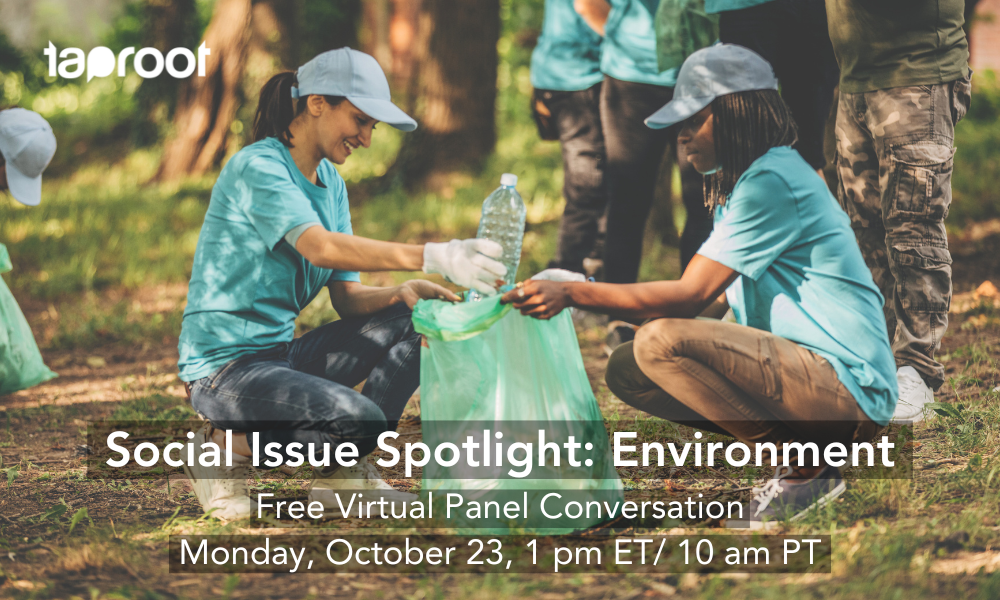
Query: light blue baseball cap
x=27, y=144
x=712, y=72
x=356, y=76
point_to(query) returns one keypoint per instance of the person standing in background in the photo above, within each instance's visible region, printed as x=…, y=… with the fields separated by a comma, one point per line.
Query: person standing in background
x=566, y=75
x=27, y=145
x=792, y=36
x=633, y=89
x=904, y=84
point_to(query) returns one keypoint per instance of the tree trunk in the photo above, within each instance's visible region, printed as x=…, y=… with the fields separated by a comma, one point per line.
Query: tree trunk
x=374, y=34
x=207, y=105
x=402, y=38
x=273, y=38
x=456, y=54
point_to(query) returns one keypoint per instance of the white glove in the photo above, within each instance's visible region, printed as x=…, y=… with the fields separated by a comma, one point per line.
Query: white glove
x=466, y=263
x=562, y=275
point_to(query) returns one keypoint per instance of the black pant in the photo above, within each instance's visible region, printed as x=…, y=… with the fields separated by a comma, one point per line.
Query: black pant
x=577, y=117
x=792, y=35
x=634, y=155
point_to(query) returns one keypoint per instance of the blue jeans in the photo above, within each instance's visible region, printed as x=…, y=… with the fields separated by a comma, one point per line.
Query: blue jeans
x=301, y=391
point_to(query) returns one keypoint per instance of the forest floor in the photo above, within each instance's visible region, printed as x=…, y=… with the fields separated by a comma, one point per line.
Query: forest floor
x=63, y=535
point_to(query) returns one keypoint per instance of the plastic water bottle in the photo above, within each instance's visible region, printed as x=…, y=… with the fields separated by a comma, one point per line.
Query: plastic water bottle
x=503, y=222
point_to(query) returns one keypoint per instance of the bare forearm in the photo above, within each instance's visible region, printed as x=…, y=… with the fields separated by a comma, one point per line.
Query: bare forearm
x=352, y=299
x=639, y=300
x=353, y=253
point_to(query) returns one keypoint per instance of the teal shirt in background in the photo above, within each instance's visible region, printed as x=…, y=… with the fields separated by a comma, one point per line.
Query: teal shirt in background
x=248, y=284
x=802, y=276
x=717, y=6
x=567, y=57
x=629, y=49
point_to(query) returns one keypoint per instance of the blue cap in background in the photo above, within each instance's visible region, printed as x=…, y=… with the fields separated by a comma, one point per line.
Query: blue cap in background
x=27, y=144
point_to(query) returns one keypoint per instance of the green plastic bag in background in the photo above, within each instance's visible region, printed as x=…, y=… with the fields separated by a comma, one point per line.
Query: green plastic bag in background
x=21, y=365
x=682, y=28
x=485, y=366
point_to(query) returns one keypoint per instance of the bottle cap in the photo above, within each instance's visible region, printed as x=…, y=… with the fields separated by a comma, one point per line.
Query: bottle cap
x=508, y=179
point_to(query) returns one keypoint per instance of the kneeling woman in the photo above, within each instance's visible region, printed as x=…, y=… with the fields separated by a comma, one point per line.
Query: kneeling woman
x=277, y=230
x=810, y=359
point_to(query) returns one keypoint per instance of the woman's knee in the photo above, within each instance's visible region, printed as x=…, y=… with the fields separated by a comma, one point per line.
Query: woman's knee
x=361, y=422
x=399, y=318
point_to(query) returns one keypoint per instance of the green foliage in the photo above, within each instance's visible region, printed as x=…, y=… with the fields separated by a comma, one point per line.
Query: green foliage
x=153, y=408
x=54, y=512
x=89, y=324
x=141, y=24
x=11, y=474
x=321, y=25
x=77, y=517
x=100, y=229
x=19, y=70
x=977, y=156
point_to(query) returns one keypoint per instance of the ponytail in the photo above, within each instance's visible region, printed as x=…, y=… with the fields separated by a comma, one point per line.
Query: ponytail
x=276, y=108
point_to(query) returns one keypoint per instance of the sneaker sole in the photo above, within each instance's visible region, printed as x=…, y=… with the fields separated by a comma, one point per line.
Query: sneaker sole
x=820, y=502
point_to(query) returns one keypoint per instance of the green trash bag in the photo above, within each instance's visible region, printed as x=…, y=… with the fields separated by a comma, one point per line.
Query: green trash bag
x=21, y=365
x=487, y=368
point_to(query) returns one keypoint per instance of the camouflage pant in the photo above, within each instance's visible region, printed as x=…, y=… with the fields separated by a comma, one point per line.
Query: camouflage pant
x=894, y=161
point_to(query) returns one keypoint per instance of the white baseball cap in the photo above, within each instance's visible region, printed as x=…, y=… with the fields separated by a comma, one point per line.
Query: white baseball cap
x=27, y=144
x=356, y=76
x=712, y=72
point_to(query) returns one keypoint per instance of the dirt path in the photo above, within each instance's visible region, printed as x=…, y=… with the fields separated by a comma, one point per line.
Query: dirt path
x=42, y=429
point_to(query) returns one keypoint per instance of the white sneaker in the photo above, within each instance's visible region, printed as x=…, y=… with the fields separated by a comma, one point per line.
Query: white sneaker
x=914, y=395
x=222, y=488
x=361, y=478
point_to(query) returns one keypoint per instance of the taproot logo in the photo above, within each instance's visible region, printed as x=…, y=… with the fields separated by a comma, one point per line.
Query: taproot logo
x=100, y=62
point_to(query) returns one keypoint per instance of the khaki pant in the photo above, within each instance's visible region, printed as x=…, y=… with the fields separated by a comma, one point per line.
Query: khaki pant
x=736, y=380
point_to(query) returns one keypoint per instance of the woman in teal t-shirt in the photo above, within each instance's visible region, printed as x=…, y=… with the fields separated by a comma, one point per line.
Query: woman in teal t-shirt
x=808, y=359
x=278, y=230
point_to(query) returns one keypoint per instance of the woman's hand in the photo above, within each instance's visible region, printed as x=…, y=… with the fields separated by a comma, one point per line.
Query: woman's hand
x=421, y=289
x=468, y=263
x=538, y=298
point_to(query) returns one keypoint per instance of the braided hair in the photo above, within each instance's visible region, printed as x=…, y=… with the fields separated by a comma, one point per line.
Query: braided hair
x=746, y=125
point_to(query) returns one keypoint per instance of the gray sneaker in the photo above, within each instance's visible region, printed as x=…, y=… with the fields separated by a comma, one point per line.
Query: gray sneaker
x=780, y=499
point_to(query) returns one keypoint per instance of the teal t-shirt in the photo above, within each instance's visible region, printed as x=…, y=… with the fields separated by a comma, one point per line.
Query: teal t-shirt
x=716, y=6
x=629, y=49
x=567, y=57
x=802, y=275
x=248, y=284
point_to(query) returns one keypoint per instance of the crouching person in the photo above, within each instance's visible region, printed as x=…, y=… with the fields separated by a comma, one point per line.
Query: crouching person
x=278, y=230
x=809, y=360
